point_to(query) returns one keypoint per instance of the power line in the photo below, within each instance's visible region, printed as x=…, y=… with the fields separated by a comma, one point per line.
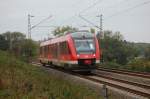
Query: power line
x=128, y=9
x=90, y=6
x=83, y=18
x=119, y=3
x=76, y=3
x=84, y=10
x=31, y=27
x=88, y=21
x=115, y=14
x=41, y=21
x=46, y=26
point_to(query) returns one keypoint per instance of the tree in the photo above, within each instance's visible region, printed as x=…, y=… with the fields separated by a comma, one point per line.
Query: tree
x=14, y=36
x=14, y=41
x=61, y=30
x=147, y=53
x=29, y=49
x=3, y=43
x=115, y=49
x=92, y=30
x=18, y=45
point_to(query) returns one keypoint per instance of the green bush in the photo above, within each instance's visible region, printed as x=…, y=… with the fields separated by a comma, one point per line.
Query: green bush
x=142, y=65
x=139, y=65
x=110, y=65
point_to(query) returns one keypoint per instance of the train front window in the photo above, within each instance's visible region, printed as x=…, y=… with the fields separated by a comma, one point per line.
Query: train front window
x=85, y=46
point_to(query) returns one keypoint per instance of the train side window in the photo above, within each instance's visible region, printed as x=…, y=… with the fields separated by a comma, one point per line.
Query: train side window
x=64, y=49
x=51, y=49
x=47, y=50
x=68, y=50
x=40, y=50
x=54, y=47
x=44, y=51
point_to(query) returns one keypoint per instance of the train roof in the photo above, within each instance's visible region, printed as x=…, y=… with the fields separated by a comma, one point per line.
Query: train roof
x=79, y=35
x=75, y=35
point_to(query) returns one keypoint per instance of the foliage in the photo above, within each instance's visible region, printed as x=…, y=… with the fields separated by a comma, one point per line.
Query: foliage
x=110, y=65
x=147, y=53
x=142, y=49
x=12, y=41
x=14, y=36
x=139, y=65
x=18, y=45
x=115, y=49
x=29, y=50
x=3, y=43
x=61, y=30
x=92, y=30
x=23, y=81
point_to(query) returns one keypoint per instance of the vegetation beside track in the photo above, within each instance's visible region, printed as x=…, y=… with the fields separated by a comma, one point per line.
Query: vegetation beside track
x=141, y=65
x=19, y=80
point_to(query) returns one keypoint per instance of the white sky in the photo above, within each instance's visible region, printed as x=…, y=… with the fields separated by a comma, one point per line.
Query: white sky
x=133, y=24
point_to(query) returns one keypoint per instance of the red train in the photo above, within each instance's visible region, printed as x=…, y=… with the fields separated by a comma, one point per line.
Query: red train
x=76, y=51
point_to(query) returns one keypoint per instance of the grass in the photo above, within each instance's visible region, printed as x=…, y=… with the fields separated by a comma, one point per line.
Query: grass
x=19, y=80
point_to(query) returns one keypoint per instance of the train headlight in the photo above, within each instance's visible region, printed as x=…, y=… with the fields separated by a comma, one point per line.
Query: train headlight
x=78, y=55
x=94, y=55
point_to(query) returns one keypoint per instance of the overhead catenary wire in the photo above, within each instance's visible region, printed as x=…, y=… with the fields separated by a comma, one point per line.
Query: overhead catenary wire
x=115, y=14
x=47, y=26
x=128, y=9
x=88, y=21
x=84, y=10
x=91, y=6
x=112, y=6
x=41, y=21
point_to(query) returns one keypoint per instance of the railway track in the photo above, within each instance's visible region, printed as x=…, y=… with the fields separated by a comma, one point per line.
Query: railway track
x=131, y=73
x=132, y=87
x=125, y=88
x=125, y=81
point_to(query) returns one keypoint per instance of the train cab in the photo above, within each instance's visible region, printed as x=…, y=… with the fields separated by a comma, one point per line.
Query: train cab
x=86, y=48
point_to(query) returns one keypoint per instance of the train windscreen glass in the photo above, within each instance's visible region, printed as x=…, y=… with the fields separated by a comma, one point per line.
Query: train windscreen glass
x=84, y=42
x=85, y=46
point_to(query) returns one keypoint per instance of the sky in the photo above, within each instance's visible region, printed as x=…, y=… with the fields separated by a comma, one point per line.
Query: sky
x=130, y=17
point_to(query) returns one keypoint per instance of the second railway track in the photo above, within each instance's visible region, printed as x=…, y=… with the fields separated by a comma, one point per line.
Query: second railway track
x=115, y=85
x=125, y=81
x=131, y=73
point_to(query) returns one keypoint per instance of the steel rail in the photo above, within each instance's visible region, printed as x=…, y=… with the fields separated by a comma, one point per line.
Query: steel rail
x=124, y=81
x=125, y=72
x=147, y=95
x=145, y=73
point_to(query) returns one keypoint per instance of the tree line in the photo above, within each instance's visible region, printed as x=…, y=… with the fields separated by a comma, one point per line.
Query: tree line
x=16, y=43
